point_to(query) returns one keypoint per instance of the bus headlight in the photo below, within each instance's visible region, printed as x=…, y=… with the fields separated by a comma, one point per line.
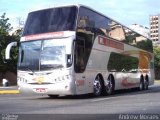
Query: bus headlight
x=22, y=80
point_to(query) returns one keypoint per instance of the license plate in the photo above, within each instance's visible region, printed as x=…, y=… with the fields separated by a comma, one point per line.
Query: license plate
x=40, y=90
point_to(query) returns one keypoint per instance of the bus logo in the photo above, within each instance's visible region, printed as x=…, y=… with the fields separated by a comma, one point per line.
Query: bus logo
x=39, y=79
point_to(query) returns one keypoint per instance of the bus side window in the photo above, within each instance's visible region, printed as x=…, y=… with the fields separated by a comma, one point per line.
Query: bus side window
x=79, y=56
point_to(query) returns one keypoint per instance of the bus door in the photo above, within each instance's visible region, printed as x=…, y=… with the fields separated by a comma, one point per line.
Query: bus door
x=79, y=65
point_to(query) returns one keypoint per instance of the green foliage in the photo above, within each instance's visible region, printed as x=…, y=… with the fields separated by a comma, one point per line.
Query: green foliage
x=157, y=56
x=157, y=61
x=5, y=27
x=146, y=45
x=5, y=39
x=119, y=62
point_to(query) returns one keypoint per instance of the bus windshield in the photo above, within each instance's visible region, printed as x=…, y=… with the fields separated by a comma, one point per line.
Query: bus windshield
x=51, y=20
x=41, y=55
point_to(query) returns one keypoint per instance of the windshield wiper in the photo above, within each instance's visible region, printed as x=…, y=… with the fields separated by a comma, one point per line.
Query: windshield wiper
x=32, y=71
x=54, y=66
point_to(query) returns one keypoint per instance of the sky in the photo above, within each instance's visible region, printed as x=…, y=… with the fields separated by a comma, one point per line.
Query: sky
x=126, y=12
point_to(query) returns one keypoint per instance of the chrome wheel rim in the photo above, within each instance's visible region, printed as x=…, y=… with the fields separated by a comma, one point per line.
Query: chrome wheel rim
x=97, y=87
x=109, y=87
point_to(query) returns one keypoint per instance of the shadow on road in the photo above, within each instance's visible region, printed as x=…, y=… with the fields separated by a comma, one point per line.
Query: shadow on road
x=135, y=91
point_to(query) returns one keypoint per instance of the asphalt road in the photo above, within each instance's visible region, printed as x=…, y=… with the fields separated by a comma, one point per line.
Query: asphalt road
x=122, y=105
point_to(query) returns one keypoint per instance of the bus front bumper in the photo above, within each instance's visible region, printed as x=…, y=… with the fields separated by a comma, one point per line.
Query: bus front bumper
x=48, y=89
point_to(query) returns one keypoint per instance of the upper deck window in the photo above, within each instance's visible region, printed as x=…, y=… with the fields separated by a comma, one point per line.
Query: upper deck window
x=51, y=20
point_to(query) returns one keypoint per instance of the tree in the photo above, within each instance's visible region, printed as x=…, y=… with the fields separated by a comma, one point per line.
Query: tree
x=5, y=39
x=146, y=45
x=157, y=61
x=5, y=27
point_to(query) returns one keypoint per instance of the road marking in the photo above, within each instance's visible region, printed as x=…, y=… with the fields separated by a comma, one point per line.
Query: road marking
x=9, y=92
x=102, y=99
x=19, y=98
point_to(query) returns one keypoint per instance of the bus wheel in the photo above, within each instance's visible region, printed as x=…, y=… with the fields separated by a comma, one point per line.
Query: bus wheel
x=97, y=86
x=53, y=96
x=146, y=83
x=110, y=86
x=141, y=85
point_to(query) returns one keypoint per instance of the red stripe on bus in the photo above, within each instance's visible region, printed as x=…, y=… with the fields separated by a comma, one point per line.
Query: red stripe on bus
x=110, y=43
x=44, y=36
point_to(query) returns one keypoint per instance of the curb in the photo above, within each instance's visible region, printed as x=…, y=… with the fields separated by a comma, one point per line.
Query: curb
x=9, y=92
x=157, y=81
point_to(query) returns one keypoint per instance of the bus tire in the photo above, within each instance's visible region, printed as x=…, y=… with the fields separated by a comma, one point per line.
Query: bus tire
x=141, y=84
x=53, y=96
x=146, y=83
x=97, y=87
x=110, y=85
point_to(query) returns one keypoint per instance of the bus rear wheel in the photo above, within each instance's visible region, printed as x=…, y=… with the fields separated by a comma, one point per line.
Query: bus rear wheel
x=141, y=84
x=146, y=83
x=97, y=86
x=110, y=86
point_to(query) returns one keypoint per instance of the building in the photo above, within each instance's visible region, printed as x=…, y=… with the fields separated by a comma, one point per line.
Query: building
x=140, y=29
x=155, y=29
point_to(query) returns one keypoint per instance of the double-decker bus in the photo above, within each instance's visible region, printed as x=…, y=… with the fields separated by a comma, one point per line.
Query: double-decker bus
x=73, y=50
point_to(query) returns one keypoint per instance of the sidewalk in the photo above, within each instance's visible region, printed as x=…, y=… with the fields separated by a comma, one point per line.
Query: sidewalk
x=9, y=90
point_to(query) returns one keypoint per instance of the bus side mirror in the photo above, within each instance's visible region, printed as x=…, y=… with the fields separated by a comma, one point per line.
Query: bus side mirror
x=8, y=49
